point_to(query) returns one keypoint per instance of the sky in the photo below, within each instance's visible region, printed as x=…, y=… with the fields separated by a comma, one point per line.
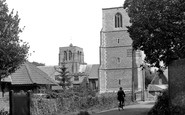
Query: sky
x=50, y=24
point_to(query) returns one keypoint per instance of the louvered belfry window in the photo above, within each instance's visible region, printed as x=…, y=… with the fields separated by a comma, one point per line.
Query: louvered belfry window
x=118, y=20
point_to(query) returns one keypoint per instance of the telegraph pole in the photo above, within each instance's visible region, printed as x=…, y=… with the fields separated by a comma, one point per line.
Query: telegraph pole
x=133, y=88
x=143, y=88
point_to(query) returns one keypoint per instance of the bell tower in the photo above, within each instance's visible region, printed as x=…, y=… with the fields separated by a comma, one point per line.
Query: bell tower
x=116, y=61
x=72, y=57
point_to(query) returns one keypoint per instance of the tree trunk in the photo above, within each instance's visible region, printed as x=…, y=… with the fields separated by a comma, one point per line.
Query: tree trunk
x=1, y=88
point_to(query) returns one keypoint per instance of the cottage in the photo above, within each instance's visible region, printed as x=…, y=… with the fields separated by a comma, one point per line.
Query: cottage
x=27, y=77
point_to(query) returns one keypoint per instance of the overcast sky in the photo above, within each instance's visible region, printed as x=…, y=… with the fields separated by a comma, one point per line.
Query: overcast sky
x=50, y=24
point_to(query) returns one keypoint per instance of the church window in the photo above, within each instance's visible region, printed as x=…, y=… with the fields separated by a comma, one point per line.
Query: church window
x=78, y=55
x=118, y=20
x=70, y=55
x=119, y=82
x=118, y=59
x=65, y=55
x=118, y=40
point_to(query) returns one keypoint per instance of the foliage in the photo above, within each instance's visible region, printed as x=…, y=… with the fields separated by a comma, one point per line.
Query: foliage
x=3, y=112
x=75, y=103
x=158, y=29
x=41, y=106
x=13, y=51
x=63, y=76
x=161, y=107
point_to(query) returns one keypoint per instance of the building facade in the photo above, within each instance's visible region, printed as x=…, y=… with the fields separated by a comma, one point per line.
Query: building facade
x=117, y=63
x=72, y=57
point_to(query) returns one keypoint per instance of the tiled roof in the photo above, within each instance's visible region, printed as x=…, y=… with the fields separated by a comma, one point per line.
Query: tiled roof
x=30, y=74
x=152, y=87
x=94, y=72
x=159, y=76
x=90, y=70
x=49, y=70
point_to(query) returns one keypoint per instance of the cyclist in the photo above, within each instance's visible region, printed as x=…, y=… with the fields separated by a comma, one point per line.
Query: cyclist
x=120, y=97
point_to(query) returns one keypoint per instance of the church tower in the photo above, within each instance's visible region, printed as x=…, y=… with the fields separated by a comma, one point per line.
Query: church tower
x=72, y=57
x=116, y=60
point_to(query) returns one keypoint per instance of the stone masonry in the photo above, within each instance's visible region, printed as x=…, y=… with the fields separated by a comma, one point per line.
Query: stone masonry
x=116, y=54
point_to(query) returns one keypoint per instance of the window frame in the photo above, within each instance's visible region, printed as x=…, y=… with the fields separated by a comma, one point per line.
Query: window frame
x=118, y=20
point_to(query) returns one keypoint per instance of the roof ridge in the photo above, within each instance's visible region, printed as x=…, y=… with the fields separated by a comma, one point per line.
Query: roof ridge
x=28, y=70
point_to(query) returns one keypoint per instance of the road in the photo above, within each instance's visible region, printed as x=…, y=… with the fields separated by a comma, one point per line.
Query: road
x=141, y=108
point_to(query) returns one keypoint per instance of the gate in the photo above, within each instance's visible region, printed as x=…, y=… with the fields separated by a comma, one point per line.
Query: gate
x=19, y=103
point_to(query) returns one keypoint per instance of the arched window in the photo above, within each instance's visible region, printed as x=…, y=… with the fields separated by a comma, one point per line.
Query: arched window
x=78, y=55
x=118, y=59
x=119, y=82
x=65, y=55
x=118, y=20
x=70, y=55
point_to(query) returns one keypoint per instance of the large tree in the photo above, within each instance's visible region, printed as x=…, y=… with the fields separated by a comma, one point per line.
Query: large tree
x=13, y=51
x=158, y=29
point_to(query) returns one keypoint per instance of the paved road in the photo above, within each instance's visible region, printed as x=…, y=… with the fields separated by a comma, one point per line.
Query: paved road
x=139, y=109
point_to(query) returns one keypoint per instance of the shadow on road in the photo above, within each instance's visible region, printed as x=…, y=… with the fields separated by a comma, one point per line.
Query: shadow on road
x=139, y=109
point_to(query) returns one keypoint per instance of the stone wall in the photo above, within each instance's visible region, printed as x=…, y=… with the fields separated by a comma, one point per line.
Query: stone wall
x=116, y=54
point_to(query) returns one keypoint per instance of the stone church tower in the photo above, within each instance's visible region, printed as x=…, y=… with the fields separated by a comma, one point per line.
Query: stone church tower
x=72, y=56
x=116, y=59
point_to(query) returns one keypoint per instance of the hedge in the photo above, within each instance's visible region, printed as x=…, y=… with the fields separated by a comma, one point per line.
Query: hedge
x=162, y=106
x=74, y=103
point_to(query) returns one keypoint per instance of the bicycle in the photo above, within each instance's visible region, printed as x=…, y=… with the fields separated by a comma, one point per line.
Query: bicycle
x=121, y=104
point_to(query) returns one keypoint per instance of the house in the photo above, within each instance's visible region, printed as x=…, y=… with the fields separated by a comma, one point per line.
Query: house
x=86, y=73
x=28, y=77
x=158, y=84
x=91, y=73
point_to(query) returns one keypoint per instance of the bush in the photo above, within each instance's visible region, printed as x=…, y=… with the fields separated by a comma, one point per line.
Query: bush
x=161, y=106
x=3, y=112
x=75, y=100
x=42, y=106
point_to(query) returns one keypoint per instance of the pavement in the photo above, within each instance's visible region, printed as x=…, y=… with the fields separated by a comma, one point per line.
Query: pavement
x=141, y=108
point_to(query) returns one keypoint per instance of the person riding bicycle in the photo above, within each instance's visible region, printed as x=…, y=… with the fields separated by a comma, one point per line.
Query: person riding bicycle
x=121, y=96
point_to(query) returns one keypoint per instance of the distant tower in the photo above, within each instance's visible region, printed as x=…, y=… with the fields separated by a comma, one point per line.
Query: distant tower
x=72, y=56
x=116, y=53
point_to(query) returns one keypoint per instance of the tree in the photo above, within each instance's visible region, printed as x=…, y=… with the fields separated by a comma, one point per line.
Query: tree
x=158, y=29
x=13, y=51
x=63, y=76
